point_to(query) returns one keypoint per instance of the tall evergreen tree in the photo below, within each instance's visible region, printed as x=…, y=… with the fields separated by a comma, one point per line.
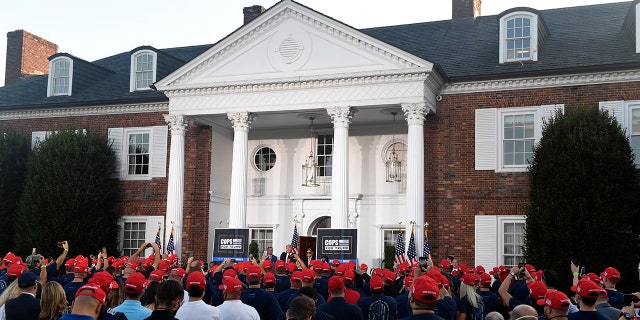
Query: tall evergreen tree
x=68, y=195
x=584, y=197
x=14, y=150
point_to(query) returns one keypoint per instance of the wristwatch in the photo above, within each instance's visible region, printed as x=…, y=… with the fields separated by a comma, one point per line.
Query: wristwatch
x=626, y=315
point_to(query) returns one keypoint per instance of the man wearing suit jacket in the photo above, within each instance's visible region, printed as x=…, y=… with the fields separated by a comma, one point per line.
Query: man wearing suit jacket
x=25, y=306
x=310, y=257
x=287, y=255
x=270, y=256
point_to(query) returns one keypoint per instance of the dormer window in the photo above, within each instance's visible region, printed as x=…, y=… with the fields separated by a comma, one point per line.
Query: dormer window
x=60, y=77
x=519, y=37
x=143, y=70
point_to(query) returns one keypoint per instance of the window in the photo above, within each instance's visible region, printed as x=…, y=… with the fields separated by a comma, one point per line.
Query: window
x=39, y=136
x=264, y=238
x=324, y=151
x=264, y=159
x=138, y=155
x=143, y=70
x=627, y=113
x=60, y=77
x=137, y=230
x=518, y=37
x=141, y=153
x=390, y=237
x=513, y=242
x=634, y=138
x=505, y=137
x=499, y=239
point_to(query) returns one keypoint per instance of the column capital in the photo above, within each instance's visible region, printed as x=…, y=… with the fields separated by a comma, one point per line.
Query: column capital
x=178, y=123
x=240, y=120
x=341, y=116
x=414, y=113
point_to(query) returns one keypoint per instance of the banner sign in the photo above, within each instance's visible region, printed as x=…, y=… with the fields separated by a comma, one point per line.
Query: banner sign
x=340, y=244
x=230, y=243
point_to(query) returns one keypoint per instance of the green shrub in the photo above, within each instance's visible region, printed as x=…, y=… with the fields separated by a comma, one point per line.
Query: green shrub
x=14, y=149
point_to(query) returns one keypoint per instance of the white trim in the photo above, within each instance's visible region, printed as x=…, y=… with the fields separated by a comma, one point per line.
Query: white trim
x=543, y=82
x=50, y=91
x=502, y=220
x=132, y=78
x=61, y=112
x=533, y=18
x=622, y=111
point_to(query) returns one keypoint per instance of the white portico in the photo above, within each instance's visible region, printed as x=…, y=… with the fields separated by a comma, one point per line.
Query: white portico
x=254, y=88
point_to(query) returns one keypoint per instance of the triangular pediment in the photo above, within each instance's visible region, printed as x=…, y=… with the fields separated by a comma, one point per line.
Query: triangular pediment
x=291, y=41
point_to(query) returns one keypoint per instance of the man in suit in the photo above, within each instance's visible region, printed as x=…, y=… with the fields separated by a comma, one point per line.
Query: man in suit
x=25, y=306
x=310, y=257
x=270, y=256
x=287, y=255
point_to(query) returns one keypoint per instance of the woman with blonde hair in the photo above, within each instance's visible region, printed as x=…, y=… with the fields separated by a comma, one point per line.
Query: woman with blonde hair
x=471, y=306
x=53, y=303
x=12, y=291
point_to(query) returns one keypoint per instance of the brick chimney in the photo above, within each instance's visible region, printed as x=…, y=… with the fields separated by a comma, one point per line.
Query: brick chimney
x=252, y=12
x=27, y=54
x=465, y=8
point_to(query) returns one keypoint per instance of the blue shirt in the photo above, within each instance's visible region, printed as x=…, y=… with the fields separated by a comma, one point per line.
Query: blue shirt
x=446, y=308
x=339, y=308
x=378, y=306
x=133, y=310
x=70, y=316
x=490, y=301
x=264, y=302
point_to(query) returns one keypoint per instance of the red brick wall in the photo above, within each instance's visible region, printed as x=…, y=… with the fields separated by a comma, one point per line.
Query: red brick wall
x=149, y=197
x=27, y=54
x=454, y=191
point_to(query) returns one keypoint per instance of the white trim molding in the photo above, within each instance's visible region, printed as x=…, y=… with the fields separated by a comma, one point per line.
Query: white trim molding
x=55, y=112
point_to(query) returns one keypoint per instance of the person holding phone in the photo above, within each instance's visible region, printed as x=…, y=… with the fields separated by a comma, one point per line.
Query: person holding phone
x=268, y=255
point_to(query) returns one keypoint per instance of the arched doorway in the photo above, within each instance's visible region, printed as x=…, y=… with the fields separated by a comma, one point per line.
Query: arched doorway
x=322, y=222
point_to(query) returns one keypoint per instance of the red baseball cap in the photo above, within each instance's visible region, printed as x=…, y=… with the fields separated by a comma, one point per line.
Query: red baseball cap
x=15, y=270
x=80, y=266
x=280, y=265
x=364, y=267
x=444, y=264
x=555, y=300
x=267, y=265
x=135, y=283
x=530, y=268
x=156, y=275
x=589, y=289
x=308, y=276
x=376, y=283
x=197, y=279
x=593, y=277
x=537, y=289
x=93, y=290
x=292, y=267
x=254, y=272
x=229, y=273
x=69, y=264
x=10, y=257
x=336, y=262
x=296, y=276
x=131, y=265
x=494, y=270
x=469, y=279
x=349, y=276
x=178, y=272
x=326, y=267
x=269, y=279
x=389, y=276
x=232, y=285
x=480, y=270
x=425, y=290
x=336, y=284
x=104, y=280
x=485, y=279
x=408, y=281
x=611, y=274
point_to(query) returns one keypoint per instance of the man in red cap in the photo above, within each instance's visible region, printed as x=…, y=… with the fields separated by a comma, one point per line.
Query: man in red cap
x=490, y=298
x=320, y=283
x=587, y=293
x=282, y=278
x=264, y=302
x=286, y=295
x=377, y=306
x=338, y=307
x=556, y=304
x=233, y=307
x=195, y=308
x=133, y=289
x=611, y=277
x=423, y=297
x=87, y=304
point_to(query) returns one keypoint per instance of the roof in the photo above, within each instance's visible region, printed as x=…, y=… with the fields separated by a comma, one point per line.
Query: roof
x=464, y=49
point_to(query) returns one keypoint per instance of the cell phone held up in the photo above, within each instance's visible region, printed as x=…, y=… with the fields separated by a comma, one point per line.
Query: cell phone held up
x=628, y=298
x=423, y=261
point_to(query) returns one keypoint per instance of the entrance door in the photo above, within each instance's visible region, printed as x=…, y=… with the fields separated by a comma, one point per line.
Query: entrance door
x=306, y=243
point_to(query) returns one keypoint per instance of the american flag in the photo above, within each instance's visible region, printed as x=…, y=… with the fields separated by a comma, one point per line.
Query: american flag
x=426, y=250
x=170, y=246
x=294, y=239
x=158, y=242
x=400, y=258
x=411, y=252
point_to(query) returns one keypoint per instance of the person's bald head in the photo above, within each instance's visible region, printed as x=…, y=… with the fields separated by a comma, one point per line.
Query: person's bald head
x=86, y=305
x=524, y=312
x=493, y=315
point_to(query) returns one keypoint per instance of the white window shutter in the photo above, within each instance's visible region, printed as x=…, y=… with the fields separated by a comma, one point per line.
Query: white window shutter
x=37, y=137
x=159, y=151
x=549, y=111
x=486, y=231
x=151, y=229
x=615, y=109
x=116, y=136
x=486, y=139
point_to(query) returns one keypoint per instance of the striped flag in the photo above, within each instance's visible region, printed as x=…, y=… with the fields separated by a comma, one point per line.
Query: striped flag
x=426, y=250
x=294, y=239
x=158, y=242
x=170, y=246
x=400, y=258
x=411, y=252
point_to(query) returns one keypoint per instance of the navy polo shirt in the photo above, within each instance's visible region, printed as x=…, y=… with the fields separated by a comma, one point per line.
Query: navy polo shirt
x=378, y=306
x=264, y=302
x=339, y=308
x=490, y=301
x=446, y=308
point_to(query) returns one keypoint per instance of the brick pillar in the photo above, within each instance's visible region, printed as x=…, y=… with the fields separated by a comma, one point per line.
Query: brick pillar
x=252, y=12
x=465, y=8
x=27, y=54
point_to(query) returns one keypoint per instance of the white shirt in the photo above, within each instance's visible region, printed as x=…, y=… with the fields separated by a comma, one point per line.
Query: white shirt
x=236, y=310
x=3, y=316
x=196, y=310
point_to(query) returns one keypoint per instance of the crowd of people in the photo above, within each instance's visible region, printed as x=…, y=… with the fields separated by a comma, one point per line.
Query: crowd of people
x=295, y=288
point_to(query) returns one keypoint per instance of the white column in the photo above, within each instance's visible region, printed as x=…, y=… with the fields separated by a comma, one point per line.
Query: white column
x=175, y=193
x=238, y=204
x=414, y=114
x=341, y=117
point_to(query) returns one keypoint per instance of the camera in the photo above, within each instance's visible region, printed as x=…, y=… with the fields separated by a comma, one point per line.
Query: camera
x=422, y=261
x=60, y=243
